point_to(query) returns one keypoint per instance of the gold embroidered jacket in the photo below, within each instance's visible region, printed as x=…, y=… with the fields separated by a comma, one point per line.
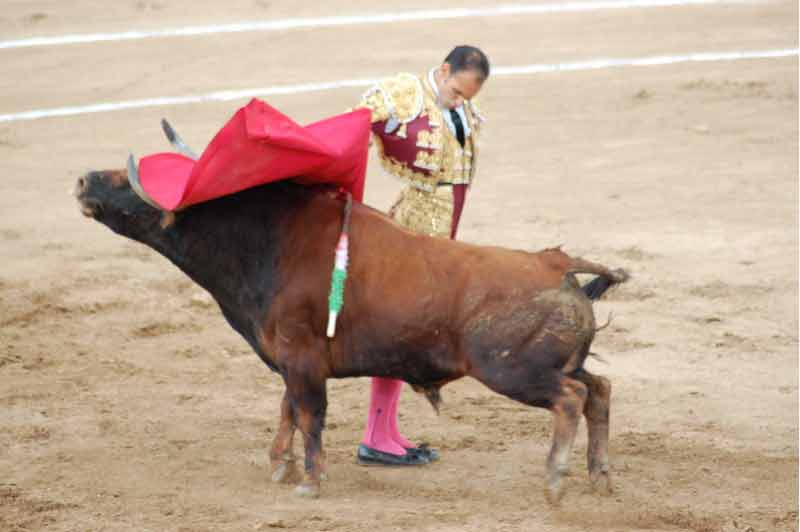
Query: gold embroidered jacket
x=414, y=143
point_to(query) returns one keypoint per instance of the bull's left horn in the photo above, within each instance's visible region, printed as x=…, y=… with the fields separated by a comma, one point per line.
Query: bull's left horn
x=176, y=140
x=136, y=185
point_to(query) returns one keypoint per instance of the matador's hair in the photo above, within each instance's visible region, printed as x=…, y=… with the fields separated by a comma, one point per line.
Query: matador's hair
x=467, y=57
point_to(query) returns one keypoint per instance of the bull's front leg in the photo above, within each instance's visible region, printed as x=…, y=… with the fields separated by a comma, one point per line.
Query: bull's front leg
x=282, y=459
x=308, y=400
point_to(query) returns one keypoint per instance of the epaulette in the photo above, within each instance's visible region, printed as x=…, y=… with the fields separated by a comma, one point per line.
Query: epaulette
x=397, y=100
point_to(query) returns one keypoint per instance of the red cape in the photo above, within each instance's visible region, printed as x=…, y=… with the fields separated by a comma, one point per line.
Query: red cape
x=257, y=146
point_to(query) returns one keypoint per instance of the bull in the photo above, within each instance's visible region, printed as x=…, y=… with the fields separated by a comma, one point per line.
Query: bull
x=423, y=310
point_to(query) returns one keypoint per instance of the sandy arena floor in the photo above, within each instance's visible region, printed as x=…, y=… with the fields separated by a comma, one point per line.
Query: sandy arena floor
x=127, y=403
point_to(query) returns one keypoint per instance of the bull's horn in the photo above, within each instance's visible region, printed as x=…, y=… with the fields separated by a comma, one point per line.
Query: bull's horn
x=136, y=185
x=176, y=140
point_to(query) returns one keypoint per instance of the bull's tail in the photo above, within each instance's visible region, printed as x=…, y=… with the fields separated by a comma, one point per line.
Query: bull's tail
x=605, y=279
x=595, y=288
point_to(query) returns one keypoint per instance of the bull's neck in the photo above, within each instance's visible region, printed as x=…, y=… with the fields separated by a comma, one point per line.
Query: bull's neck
x=231, y=246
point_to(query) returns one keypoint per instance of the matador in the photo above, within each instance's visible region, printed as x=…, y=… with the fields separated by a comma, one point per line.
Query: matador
x=425, y=129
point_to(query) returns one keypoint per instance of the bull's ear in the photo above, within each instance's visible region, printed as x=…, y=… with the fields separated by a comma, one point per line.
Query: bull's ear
x=167, y=219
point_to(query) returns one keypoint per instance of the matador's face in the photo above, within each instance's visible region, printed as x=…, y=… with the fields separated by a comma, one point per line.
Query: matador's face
x=456, y=87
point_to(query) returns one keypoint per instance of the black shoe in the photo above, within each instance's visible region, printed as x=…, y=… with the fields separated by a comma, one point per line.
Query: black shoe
x=432, y=455
x=373, y=457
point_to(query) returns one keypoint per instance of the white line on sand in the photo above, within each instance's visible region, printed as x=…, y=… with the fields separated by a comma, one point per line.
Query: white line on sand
x=223, y=96
x=351, y=20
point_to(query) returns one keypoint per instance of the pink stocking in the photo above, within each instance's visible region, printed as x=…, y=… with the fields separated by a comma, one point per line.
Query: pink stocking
x=393, y=429
x=382, y=403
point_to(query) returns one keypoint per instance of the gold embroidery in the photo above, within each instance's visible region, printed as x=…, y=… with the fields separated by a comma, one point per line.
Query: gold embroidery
x=402, y=172
x=473, y=108
x=424, y=139
x=406, y=98
x=375, y=102
x=426, y=160
x=403, y=97
x=400, y=97
x=431, y=140
x=430, y=213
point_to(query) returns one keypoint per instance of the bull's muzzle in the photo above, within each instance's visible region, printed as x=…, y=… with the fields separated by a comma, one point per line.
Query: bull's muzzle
x=89, y=207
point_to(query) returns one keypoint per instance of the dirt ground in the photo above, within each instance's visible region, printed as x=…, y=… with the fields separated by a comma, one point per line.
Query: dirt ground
x=128, y=404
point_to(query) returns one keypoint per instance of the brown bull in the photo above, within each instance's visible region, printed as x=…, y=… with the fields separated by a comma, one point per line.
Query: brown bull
x=423, y=310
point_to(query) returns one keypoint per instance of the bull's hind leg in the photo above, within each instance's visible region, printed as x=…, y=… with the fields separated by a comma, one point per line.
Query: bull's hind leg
x=282, y=459
x=551, y=389
x=596, y=410
x=567, y=406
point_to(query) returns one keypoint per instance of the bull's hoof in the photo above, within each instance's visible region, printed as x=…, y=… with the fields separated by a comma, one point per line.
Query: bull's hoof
x=600, y=481
x=307, y=489
x=285, y=473
x=554, y=492
x=555, y=484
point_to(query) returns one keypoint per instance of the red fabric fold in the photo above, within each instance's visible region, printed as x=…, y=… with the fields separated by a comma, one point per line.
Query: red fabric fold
x=260, y=145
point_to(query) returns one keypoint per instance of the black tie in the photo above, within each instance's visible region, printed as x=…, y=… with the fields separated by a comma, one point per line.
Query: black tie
x=459, y=126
